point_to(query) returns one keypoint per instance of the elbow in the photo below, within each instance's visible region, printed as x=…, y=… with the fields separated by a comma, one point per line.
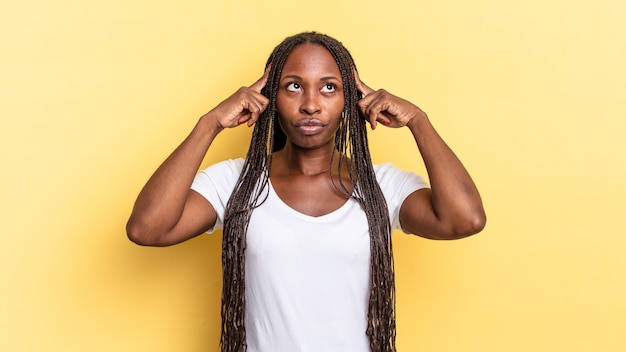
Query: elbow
x=135, y=234
x=475, y=225
x=470, y=225
x=140, y=234
x=463, y=227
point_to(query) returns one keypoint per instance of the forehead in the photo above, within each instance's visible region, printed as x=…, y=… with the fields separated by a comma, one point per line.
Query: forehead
x=310, y=59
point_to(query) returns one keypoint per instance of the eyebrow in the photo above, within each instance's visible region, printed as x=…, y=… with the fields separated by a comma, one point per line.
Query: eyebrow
x=325, y=78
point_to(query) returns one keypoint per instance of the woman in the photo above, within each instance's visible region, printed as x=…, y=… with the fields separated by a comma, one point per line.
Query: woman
x=306, y=217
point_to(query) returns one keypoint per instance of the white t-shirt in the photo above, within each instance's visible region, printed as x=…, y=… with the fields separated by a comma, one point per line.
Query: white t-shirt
x=307, y=278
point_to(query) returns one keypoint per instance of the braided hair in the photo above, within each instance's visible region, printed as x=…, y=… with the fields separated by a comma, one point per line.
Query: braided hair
x=352, y=144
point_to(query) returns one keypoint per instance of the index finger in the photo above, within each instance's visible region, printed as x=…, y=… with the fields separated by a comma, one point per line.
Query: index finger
x=260, y=83
x=362, y=87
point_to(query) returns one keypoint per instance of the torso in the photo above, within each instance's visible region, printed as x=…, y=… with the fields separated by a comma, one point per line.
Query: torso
x=307, y=256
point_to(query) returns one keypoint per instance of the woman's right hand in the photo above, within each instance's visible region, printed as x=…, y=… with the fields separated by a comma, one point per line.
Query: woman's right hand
x=245, y=105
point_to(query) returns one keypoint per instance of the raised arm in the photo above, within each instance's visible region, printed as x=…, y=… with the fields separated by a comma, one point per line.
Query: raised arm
x=452, y=207
x=166, y=211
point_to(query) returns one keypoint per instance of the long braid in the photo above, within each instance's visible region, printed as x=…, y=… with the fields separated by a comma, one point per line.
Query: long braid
x=251, y=190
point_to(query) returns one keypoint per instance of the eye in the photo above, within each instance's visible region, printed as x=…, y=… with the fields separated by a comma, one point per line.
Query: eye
x=328, y=88
x=293, y=87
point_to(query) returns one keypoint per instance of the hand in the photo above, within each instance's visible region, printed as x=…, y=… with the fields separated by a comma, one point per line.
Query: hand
x=384, y=107
x=245, y=105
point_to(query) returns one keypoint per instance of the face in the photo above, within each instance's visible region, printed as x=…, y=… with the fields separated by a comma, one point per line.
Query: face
x=310, y=97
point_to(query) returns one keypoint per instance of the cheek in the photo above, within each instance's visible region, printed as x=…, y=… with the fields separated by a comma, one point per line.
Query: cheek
x=338, y=106
x=279, y=103
x=283, y=104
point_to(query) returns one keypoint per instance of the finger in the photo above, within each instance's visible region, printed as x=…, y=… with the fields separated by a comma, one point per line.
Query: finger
x=376, y=115
x=243, y=118
x=252, y=120
x=247, y=111
x=362, y=87
x=368, y=110
x=378, y=110
x=260, y=83
x=254, y=108
x=253, y=117
x=262, y=103
x=373, y=122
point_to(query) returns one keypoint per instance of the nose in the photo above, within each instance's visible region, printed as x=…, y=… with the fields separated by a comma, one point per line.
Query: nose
x=310, y=103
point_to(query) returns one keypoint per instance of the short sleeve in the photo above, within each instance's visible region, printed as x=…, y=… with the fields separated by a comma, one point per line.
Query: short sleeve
x=216, y=184
x=396, y=185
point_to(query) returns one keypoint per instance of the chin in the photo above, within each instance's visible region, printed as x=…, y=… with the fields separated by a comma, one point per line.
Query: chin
x=311, y=143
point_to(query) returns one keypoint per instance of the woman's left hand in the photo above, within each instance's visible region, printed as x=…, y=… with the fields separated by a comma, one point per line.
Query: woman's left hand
x=386, y=108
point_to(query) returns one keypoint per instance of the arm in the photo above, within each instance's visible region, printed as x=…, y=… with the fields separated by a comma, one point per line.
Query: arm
x=452, y=208
x=166, y=211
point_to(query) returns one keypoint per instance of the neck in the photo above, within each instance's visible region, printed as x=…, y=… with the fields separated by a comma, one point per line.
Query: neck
x=306, y=161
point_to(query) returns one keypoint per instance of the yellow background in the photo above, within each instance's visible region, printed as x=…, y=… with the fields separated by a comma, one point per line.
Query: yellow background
x=530, y=94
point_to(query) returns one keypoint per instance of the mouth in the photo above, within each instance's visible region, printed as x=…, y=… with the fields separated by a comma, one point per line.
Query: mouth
x=309, y=126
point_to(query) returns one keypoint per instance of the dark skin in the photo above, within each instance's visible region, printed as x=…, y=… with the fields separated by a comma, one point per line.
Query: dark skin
x=309, y=101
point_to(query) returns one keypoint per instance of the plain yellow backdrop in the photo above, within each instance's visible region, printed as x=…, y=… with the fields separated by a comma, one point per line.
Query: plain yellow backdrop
x=530, y=94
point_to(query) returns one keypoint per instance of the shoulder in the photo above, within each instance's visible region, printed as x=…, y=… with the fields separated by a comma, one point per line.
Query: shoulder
x=384, y=169
x=226, y=166
x=394, y=181
x=389, y=173
x=221, y=176
x=234, y=164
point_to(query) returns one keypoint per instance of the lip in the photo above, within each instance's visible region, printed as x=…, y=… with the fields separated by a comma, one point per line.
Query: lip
x=309, y=126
